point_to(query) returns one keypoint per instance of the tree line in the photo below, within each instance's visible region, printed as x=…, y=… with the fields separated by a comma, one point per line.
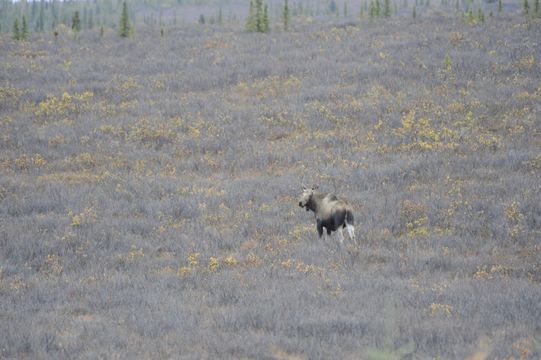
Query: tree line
x=125, y=27
x=41, y=15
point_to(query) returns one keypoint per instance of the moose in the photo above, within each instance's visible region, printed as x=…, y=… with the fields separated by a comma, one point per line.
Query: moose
x=331, y=212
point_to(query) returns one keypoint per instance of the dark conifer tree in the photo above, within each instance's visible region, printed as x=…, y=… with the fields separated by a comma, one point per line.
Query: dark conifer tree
x=125, y=28
x=251, y=25
x=285, y=16
x=258, y=15
x=76, y=22
x=258, y=18
x=386, y=8
x=332, y=7
x=16, y=30
x=265, y=23
x=481, y=16
x=526, y=7
x=24, y=29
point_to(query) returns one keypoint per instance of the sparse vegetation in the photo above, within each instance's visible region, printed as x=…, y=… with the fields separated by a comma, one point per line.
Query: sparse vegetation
x=148, y=188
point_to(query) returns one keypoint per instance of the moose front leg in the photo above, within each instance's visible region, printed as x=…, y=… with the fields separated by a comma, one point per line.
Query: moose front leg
x=320, y=228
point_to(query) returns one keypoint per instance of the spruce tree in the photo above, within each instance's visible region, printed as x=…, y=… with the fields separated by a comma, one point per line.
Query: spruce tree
x=386, y=8
x=285, y=15
x=76, y=22
x=414, y=13
x=125, y=28
x=471, y=18
x=372, y=9
x=526, y=7
x=378, y=8
x=16, y=30
x=499, y=5
x=536, y=7
x=332, y=7
x=258, y=15
x=24, y=29
x=265, y=20
x=481, y=16
x=251, y=25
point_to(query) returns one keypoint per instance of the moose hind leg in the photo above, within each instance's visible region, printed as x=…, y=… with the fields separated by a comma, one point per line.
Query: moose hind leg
x=340, y=235
x=351, y=232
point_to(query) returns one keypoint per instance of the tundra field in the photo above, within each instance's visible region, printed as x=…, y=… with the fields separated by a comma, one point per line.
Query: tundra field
x=149, y=190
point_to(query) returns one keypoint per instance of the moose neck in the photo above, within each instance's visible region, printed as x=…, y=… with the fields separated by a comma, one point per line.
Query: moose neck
x=313, y=203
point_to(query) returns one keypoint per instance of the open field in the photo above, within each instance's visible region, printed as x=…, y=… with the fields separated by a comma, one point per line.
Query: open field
x=148, y=192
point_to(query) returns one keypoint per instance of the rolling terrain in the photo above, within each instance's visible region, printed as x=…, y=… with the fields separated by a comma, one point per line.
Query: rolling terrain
x=149, y=191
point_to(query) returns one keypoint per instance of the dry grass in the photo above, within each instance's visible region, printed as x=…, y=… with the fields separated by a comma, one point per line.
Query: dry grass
x=147, y=192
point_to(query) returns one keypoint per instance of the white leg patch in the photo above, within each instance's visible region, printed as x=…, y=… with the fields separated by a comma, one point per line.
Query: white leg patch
x=351, y=232
x=340, y=235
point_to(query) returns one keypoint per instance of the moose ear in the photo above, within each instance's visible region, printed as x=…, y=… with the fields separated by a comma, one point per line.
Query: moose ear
x=315, y=187
x=304, y=187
